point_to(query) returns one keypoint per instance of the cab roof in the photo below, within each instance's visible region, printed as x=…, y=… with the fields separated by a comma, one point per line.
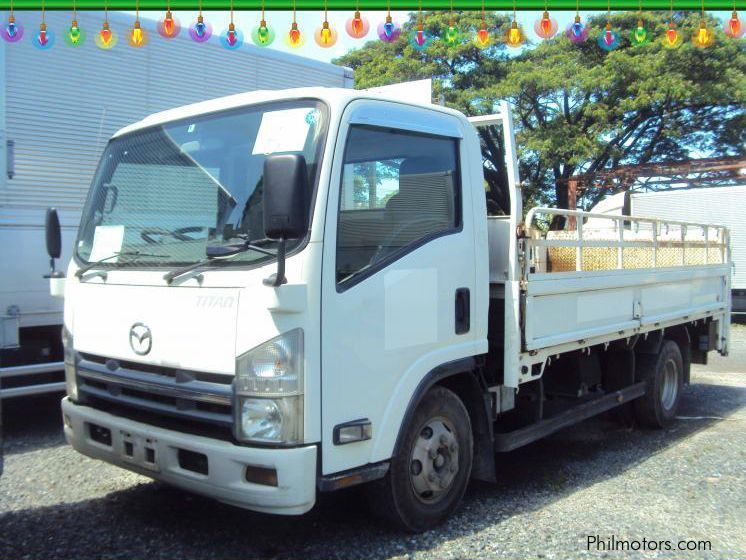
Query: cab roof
x=334, y=97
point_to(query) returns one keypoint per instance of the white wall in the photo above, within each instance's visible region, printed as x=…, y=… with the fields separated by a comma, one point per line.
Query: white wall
x=723, y=206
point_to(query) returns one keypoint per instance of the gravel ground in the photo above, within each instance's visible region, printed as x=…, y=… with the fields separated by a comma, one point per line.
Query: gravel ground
x=597, y=479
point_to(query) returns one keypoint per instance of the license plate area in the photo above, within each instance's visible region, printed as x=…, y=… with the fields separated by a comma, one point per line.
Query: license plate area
x=139, y=450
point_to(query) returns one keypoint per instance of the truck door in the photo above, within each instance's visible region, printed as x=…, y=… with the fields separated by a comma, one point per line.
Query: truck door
x=500, y=161
x=398, y=270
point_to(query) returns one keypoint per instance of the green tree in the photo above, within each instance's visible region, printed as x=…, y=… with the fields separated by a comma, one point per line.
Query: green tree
x=577, y=107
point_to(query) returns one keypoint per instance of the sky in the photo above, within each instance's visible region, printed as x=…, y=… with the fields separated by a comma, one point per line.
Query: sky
x=308, y=22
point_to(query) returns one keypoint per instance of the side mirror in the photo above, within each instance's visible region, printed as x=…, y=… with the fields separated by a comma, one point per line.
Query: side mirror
x=54, y=250
x=54, y=234
x=286, y=201
x=285, y=197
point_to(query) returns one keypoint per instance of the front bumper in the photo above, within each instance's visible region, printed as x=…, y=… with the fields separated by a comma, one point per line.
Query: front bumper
x=225, y=480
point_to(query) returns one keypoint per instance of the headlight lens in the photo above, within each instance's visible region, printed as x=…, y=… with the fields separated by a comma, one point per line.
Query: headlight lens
x=71, y=369
x=272, y=420
x=269, y=391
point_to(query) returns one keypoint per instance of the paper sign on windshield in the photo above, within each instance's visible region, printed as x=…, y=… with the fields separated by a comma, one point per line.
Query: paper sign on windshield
x=282, y=131
x=107, y=241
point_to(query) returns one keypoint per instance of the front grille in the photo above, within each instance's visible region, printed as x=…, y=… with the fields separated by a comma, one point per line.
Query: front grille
x=199, y=397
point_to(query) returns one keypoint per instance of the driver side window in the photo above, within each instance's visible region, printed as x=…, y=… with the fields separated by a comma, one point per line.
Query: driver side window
x=399, y=190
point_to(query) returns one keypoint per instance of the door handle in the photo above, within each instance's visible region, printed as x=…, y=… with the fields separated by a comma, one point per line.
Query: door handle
x=463, y=311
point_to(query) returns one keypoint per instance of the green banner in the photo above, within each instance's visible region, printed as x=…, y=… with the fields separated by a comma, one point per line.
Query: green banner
x=347, y=5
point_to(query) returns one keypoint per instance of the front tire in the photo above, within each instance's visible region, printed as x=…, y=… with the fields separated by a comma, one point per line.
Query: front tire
x=663, y=374
x=431, y=469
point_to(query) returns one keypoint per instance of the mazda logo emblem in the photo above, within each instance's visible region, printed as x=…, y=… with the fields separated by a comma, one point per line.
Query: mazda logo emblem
x=141, y=339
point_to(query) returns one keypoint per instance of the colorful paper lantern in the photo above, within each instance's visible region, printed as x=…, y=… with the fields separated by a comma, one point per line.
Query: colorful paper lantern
x=325, y=36
x=733, y=27
x=231, y=38
x=608, y=39
x=200, y=31
x=294, y=38
x=389, y=30
x=169, y=27
x=74, y=36
x=577, y=31
x=546, y=27
x=672, y=37
x=44, y=38
x=138, y=37
x=262, y=35
x=420, y=39
x=639, y=36
x=451, y=35
x=514, y=38
x=482, y=38
x=12, y=31
x=106, y=38
x=357, y=26
x=703, y=37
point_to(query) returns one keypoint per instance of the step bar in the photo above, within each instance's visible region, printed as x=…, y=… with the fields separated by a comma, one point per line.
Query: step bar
x=523, y=436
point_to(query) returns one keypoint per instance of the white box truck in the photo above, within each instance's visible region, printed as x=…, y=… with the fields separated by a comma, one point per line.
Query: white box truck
x=57, y=110
x=278, y=294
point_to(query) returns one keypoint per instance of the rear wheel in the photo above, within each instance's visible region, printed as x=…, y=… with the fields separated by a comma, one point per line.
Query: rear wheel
x=663, y=374
x=430, y=471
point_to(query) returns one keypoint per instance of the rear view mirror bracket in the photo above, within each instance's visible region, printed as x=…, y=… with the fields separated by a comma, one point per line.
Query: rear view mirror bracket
x=278, y=278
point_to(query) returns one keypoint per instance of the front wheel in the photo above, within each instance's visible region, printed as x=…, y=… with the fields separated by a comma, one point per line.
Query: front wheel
x=663, y=374
x=431, y=469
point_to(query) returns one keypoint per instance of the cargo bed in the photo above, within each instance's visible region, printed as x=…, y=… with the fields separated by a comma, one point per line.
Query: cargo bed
x=605, y=278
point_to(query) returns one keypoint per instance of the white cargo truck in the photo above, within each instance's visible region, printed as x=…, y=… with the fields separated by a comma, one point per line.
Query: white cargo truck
x=58, y=108
x=278, y=294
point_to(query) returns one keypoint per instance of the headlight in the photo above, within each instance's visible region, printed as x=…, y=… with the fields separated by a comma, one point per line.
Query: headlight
x=272, y=420
x=71, y=369
x=269, y=391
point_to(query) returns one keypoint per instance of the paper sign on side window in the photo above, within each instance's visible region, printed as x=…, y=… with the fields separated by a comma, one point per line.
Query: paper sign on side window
x=107, y=241
x=282, y=131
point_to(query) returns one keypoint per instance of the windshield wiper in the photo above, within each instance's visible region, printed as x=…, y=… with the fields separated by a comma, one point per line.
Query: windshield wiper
x=89, y=266
x=218, y=253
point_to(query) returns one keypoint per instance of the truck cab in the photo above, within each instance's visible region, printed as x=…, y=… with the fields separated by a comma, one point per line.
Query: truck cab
x=276, y=294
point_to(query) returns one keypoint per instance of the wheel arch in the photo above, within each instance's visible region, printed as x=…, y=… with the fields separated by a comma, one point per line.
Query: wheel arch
x=463, y=378
x=650, y=344
x=680, y=335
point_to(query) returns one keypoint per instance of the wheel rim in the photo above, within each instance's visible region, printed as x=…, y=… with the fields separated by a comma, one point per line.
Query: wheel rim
x=670, y=387
x=434, y=464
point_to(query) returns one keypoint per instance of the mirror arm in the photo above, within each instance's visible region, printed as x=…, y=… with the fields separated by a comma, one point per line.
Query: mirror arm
x=53, y=272
x=278, y=279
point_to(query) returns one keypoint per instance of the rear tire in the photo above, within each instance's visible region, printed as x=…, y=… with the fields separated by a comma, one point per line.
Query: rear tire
x=431, y=469
x=663, y=374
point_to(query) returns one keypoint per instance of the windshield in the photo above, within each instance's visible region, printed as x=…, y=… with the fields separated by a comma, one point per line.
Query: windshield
x=165, y=193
